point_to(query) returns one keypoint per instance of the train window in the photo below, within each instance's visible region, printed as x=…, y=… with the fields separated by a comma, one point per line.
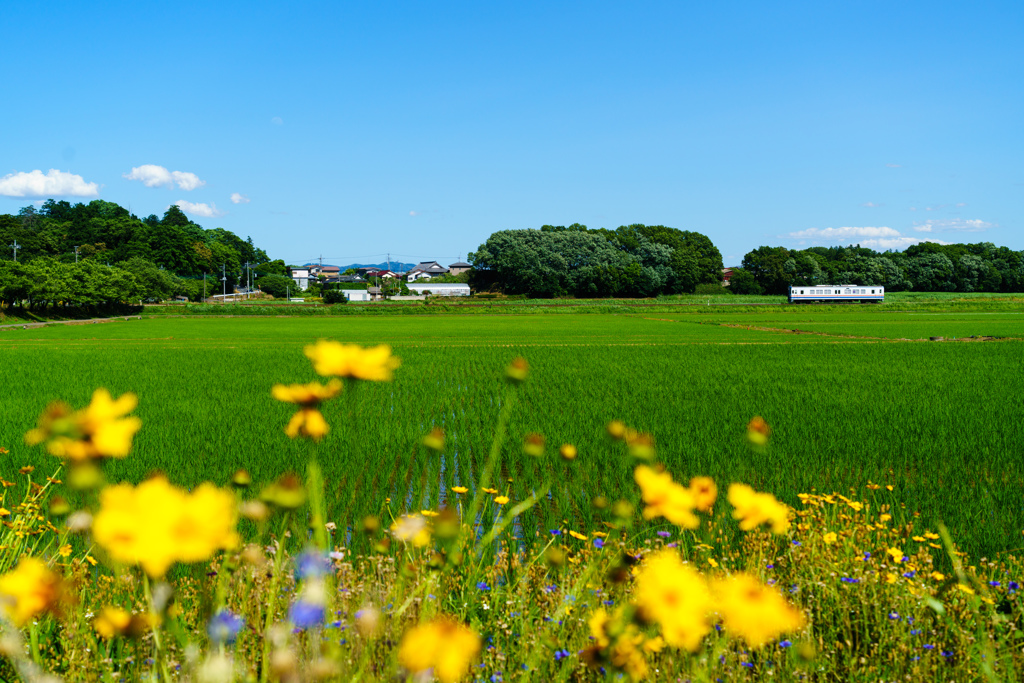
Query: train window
x=872, y=291
x=801, y=291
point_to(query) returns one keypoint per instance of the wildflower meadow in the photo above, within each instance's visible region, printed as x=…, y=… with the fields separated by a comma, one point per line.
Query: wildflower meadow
x=482, y=567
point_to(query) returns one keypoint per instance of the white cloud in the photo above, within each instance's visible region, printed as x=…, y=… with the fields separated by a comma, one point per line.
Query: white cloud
x=954, y=225
x=879, y=238
x=871, y=205
x=961, y=204
x=277, y=121
x=843, y=234
x=893, y=166
x=206, y=210
x=54, y=184
x=414, y=213
x=237, y=198
x=152, y=175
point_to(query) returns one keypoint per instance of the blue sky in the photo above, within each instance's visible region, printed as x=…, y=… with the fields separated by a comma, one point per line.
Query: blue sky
x=351, y=130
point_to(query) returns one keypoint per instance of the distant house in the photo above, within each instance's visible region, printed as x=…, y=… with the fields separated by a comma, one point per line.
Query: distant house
x=726, y=276
x=458, y=268
x=426, y=270
x=301, y=277
x=439, y=288
x=331, y=273
x=350, y=278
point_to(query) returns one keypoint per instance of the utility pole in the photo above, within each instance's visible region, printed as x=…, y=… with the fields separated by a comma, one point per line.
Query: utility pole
x=224, y=280
x=76, y=254
x=16, y=247
x=248, y=284
x=204, y=286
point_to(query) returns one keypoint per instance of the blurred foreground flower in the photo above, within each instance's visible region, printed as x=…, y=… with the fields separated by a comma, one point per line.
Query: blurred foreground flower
x=753, y=611
x=676, y=597
x=665, y=498
x=435, y=439
x=443, y=645
x=754, y=509
x=156, y=524
x=334, y=359
x=308, y=421
x=704, y=492
x=412, y=529
x=758, y=432
x=100, y=430
x=27, y=591
x=517, y=370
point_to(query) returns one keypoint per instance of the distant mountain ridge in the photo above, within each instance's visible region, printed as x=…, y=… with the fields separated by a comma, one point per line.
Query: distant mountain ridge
x=395, y=266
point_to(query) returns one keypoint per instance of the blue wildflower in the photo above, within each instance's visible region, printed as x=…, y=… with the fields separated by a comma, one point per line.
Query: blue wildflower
x=483, y=586
x=929, y=647
x=561, y=654
x=785, y=643
x=664, y=534
x=306, y=614
x=556, y=532
x=894, y=616
x=224, y=626
x=847, y=579
x=915, y=632
x=311, y=564
x=909, y=575
x=994, y=584
x=598, y=543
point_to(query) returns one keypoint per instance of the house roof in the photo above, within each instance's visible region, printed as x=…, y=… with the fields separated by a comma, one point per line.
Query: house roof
x=429, y=267
x=460, y=264
x=373, y=290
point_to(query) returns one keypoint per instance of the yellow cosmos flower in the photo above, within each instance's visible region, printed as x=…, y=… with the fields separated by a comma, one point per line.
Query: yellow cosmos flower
x=308, y=422
x=501, y=500
x=704, y=492
x=568, y=451
x=830, y=538
x=412, y=529
x=758, y=432
x=665, y=498
x=100, y=430
x=64, y=550
x=577, y=535
x=459, y=489
x=156, y=524
x=938, y=576
x=753, y=611
x=896, y=554
x=754, y=509
x=333, y=359
x=27, y=591
x=112, y=621
x=307, y=395
x=676, y=597
x=443, y=645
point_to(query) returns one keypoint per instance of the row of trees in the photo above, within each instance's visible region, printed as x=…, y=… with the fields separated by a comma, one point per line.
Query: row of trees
x=928, y=267
x=631, y=261
x=109, y=234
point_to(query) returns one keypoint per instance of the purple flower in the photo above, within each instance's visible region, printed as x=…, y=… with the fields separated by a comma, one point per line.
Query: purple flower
x=770, y=566
x=909, y=575
x=598, y=543
x=664, y=534
x=915, y=632
x=785, y=643
x=947, y=653
x=994, y=584
x=797, y=543
x=929, y=647
x=483, y=586
x=894, y=616
x=867, y=556
x=306, y=614
x=224, y=626
x=1013, y=585
x=550, y=589
x=749, y=665
x=556, y=532
x=561, y=654
x=847, y=579
x=311, y=564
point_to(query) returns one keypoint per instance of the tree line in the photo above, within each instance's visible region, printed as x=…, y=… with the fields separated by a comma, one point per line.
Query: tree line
x=927, y=267
x=631, y=261
x=99, y=253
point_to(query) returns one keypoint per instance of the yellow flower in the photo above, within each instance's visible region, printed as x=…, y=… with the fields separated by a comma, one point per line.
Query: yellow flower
x=891, y=578
x=307, y=395
x=830, y=538
x=156, y=524
x=641, y=446
x=938, y=576
x=713, y=562
x=758, y=431
x=307, y=422
x=411, y=529
x=429, y=513
x=665, y=498
x=443, y=645
x=487, y=490
x=112, y=621
x=501, y=500
x=964, y=588
x=333, y=359
x=884, y=517
x=676, y=597
x=434, y=440
x=534, y=445
x=64, y=550
x=753, y=611
x=28, y=590
x=896, y=554
x=568, y=451
x=704, y=492
x=99, y=430
x=459, y=489
x=577, y=535
x=616, y=429
x=517, y=370
x=754, y=509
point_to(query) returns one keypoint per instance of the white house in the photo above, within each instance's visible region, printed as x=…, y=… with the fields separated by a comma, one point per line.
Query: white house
x=301, y=277
x=440, y=288
x=426, y=270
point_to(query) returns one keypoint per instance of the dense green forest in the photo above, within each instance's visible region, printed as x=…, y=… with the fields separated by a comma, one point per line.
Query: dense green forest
x=99, y=253
x=924, y=267
x=633, y=260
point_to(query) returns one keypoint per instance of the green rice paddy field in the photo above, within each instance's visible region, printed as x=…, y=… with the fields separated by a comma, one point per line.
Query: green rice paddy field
x=850, y=402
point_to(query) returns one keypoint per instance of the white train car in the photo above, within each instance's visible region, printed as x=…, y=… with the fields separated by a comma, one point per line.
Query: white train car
x=818, y=294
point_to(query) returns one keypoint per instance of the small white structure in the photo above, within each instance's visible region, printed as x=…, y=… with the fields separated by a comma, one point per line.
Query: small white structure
x=440, y=288
x=356, y=294
x=301, y=278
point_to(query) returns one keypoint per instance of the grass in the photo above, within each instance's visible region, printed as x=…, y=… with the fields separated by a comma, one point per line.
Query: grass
x=939, y=422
